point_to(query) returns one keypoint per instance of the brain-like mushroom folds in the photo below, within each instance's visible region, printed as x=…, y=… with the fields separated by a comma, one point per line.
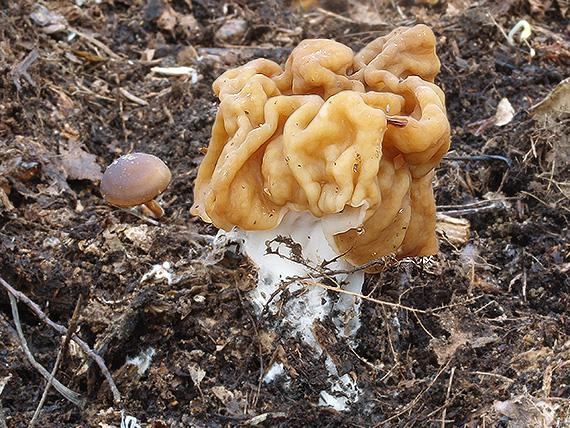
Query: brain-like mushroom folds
x=352, y=139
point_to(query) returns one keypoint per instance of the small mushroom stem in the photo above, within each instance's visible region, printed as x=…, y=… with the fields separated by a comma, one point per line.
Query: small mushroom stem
x=155, y=208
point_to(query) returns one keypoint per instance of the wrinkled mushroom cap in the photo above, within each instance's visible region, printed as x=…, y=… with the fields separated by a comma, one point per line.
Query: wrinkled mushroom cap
x=351, y=139
x=134, y=179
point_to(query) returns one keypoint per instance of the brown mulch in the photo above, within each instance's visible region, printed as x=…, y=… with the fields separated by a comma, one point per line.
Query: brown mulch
x=477, y=336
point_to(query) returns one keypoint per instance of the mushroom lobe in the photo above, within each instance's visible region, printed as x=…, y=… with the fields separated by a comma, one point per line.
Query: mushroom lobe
x=134, y=179
x=350, y=139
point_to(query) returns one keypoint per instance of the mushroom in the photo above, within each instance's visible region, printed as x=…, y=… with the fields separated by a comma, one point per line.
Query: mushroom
x=336, y=151
x=351, y=139
x=136, y=179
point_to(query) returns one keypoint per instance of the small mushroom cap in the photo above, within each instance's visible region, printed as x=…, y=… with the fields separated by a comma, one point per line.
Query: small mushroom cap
x=134, y=179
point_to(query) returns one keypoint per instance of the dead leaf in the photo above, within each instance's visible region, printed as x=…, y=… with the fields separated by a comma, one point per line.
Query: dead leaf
x=28, y=156
x=64, y=101
x=525, y=411
x=305, y=4
x=445, y=348
x=43, y=17
x=557, y=103
x=456, y=230
x=89, y=56
x=232, y=31
x=196, y=374
x=457, y=7
x=223, y=394
x=531, y=360
x=505, y=113
x=539, y=7
x=168, y=18
x=78, y=164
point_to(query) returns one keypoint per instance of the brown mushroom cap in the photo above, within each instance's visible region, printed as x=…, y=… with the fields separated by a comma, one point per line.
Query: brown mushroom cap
x=134, y=179
x=351, y=139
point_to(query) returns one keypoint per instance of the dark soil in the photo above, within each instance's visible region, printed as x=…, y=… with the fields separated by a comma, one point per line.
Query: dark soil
x=477, y=336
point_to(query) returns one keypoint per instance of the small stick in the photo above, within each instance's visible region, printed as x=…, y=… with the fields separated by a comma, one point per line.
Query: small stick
x=480, y=158
x=3, y=383
x=132, y=97
x=400, y=123
x=408, y=407
x=490, y=206
x=362, y=296
x=444, y=412
x=60, y=355
x=335, y=15
x=71, y=395
x=96, y=42
x=84, y=346
x=21, y=69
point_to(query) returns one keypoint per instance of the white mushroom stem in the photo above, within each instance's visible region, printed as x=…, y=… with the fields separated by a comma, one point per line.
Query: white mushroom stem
x=306, y=232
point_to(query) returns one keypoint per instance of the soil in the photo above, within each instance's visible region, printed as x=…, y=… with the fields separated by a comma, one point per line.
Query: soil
x=476, y=336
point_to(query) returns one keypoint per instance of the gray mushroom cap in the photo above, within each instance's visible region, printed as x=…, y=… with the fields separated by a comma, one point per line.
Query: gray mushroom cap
x=134, y=179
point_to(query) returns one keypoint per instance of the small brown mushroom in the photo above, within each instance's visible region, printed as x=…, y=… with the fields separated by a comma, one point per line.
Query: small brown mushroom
x=136, y=179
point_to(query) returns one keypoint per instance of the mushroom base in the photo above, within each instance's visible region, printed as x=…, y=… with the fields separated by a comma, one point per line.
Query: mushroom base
x=296, y=257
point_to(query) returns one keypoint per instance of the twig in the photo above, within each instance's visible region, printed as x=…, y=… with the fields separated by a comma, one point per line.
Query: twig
x=319, y=271
x=444, y=412
x=547, y=377
x=132, y=97
x=338, y=289
x=21, y=69
x=260, y=348
x=60, y=355
x=362, y=296
x=422, y=325
x=387, y=323
x=72, y=396
x=3, y=383
x=335, y=15
x=415, y=401
x=498, y=26
x=96, y=42
x=454, y=305
x=476, y=208
x=534, y=196
x=364, y=360
x=61, y=329
x=480, y=157
x=498, y=376
x=256, y=420
x=475, y=204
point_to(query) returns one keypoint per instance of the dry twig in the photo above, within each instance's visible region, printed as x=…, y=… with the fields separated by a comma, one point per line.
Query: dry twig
x=96, y=42
x=416, y=400
x=3, y=383
x=60, y=355
x=72, y=396
x=444, y=412
x=21, y=69
x=61, y=329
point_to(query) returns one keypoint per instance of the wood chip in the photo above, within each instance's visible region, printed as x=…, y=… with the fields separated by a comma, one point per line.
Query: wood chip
x=132, y=97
